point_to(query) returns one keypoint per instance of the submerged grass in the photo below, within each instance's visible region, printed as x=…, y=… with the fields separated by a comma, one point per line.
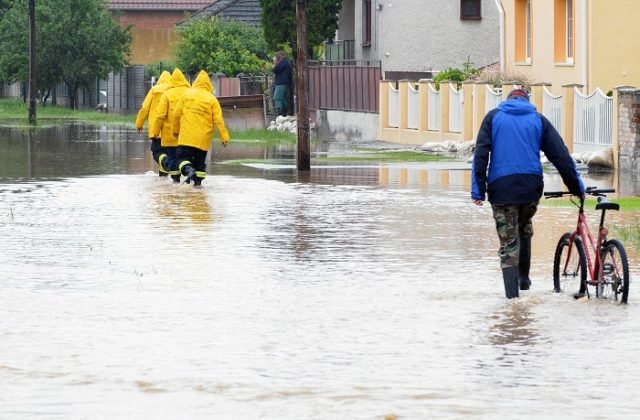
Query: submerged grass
x=14, y=113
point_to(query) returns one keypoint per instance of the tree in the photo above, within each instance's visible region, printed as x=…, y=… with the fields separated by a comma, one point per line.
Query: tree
x=220, y=45
x=279, y=22
x=78, y=41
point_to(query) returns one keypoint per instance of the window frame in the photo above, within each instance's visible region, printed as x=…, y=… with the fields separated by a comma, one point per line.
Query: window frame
x=476, y=16
x=367, y=28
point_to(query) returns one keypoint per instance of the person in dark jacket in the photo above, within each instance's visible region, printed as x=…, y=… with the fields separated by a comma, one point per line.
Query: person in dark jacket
x=508, y=144
x=282, y=81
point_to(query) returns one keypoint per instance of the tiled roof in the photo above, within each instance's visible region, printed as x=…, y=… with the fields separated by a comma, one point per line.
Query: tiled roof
x=191, y=5
x=248, y=11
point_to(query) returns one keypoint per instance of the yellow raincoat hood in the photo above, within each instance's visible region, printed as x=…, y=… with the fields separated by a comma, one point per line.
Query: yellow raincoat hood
x=198, y=114
x=203, y=82
x=178, y=79
x=164, y=77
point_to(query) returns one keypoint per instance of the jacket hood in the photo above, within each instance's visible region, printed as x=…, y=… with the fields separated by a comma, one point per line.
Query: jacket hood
x=178, y=79
x=517, y=106
x=203, y=82
x=164, y=77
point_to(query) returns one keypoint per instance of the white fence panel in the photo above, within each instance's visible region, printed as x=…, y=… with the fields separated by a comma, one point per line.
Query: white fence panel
x=456, y=97
x=592, y=125
x=492, y=98
x=394, y=106
x=434, y=109
x=552, y=108
x=413, y=108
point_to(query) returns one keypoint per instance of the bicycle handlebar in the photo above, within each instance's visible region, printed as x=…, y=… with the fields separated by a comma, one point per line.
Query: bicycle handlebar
x=589, y=190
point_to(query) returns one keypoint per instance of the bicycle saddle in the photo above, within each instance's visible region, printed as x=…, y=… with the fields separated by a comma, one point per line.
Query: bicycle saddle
x=607, y=205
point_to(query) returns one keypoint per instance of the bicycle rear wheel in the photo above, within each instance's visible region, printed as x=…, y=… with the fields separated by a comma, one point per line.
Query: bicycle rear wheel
x=613, y=281
x=569, y=265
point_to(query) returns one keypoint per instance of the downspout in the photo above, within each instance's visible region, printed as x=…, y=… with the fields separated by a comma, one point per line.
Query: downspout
x=501, y=12
x=585, y=51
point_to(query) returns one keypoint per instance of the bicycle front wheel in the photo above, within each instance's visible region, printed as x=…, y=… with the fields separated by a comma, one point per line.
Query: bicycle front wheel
x=613, y=281
x=569, y=265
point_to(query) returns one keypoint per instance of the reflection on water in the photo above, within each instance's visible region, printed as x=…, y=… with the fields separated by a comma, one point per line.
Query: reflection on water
x=352, y=291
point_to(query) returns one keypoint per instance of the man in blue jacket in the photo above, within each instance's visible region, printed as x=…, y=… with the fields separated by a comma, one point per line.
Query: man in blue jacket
x=509, y=144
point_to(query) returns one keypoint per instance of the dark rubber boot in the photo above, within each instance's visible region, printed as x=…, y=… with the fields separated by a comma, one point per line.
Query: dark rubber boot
x=524, y=264
x=510, y=277
x=176, y=178
x=189, y=173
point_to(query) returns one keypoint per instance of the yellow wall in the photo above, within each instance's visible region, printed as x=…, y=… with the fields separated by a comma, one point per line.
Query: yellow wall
x=615, y=44
x=543, y=67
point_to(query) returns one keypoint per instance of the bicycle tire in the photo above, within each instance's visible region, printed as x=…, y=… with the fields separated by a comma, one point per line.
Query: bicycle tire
x=576, y=268
x=613, y=279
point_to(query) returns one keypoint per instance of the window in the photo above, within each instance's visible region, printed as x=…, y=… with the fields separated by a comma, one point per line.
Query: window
x=470, y=9
x=523, y=31
x=570, y=30
x=366, y=23
x=564, y=31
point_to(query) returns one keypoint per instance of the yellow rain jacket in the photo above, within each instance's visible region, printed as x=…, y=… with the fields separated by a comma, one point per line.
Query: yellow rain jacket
x=197, y=114
x=178, y=84
x=150, y=103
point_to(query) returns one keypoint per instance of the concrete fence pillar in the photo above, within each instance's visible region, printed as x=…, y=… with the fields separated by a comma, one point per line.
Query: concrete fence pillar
x=383, y=93
x=467, y=110
x=479, y=105
x=568, y=110
x=537, y=95
x=445, y=94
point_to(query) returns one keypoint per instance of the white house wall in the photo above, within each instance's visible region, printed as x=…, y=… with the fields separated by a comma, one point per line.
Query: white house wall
x=427, y=35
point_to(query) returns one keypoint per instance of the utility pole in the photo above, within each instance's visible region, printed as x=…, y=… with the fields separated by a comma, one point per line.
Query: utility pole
x=304, y=154
x=32, y=62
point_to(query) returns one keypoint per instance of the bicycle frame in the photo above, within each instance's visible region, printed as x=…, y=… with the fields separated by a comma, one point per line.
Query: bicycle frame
x=591, y=247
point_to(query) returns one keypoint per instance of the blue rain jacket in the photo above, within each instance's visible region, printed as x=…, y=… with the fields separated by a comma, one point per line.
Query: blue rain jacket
x=506, y=163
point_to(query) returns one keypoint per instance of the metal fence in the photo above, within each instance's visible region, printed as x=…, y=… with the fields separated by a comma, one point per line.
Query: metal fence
x=345, y=85
x=592, y=119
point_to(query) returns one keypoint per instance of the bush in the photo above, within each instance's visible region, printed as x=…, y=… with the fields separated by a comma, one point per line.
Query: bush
x=496, y=77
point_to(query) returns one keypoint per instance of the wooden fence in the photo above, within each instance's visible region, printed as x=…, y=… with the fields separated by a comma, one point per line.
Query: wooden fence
x=344, y=85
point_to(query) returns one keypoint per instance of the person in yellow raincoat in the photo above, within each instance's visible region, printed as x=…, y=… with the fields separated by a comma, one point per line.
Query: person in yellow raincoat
x=194, y=120
x=148, y=111
x=178, y=84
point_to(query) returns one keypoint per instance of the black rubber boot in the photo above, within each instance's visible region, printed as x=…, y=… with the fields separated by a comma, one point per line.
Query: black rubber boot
x=524, y=264
x=176, y=178
x=189, y=173
x=510, y=277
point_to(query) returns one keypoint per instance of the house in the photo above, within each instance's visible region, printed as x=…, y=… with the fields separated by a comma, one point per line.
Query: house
x=154, y=24
x=592, y=43
x=248, y=11
x=414, y=38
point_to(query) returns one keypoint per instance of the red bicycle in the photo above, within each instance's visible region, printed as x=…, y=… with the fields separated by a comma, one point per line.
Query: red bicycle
x=601, y=263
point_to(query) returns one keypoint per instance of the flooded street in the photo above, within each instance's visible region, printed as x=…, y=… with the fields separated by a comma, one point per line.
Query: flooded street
x=356, y=291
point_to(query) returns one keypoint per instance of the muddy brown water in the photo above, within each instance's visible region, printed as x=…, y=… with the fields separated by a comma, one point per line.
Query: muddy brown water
x=356, y=291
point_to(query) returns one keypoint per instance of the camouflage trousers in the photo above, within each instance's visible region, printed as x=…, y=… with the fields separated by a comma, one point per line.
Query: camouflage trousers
x=513, y=223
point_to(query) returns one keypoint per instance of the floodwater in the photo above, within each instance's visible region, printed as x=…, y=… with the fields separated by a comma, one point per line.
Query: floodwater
x=351, y=292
